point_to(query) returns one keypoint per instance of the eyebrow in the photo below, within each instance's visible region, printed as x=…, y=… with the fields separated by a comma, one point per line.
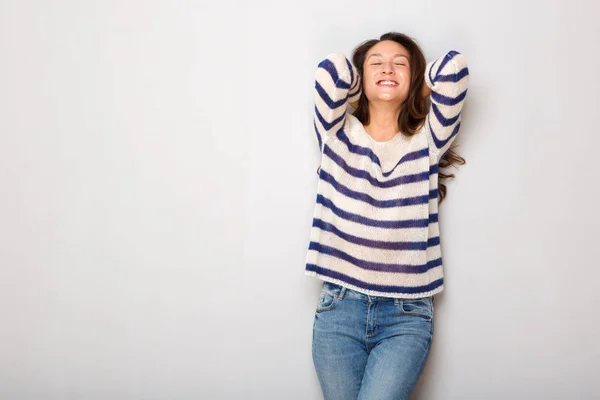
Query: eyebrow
x=396, y=55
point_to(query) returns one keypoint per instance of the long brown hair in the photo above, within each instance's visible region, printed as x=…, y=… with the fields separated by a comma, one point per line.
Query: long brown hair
x=414, y=110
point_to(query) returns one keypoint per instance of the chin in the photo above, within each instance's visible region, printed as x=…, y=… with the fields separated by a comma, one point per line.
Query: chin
x=391, y=100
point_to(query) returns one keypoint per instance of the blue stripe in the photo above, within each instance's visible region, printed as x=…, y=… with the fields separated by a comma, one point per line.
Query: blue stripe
x=356, y=89
x=329, y=66
x=356, y=149
x=433, y=218
x=326, y=125
x=449, y=56
x=448, y=101
x=351, y=70
x=373, y=266
x=433, y=241
x=441, y=143
x=433, y=169
x=370, y=286
x=435, y=263
x=359, y=219
x=440, y=117
x=408, y=201
x=431, y=69
x=365, y=151
x=453, y=77
x=359, y=173
x=330, y=103
x=378, y=244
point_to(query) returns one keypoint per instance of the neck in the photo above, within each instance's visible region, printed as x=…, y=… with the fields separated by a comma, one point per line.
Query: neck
x=383, y=121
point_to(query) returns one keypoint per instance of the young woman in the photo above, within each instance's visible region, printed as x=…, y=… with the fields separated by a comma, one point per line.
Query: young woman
x=375, y=239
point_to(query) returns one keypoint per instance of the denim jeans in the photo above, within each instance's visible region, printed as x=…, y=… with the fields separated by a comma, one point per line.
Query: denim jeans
x=368, y=347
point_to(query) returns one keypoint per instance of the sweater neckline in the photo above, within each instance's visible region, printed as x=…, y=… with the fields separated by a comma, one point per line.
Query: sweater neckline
x=381, y=143
x=374, y=143
x=393, y=140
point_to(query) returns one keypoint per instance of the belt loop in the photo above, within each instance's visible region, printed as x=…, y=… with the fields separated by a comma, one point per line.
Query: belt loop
x=396, y=301
x=342, y=293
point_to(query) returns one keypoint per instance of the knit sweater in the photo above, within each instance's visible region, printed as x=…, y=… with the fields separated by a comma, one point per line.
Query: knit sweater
x=375, y=227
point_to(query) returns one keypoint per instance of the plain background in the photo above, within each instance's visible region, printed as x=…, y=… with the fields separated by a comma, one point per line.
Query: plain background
x=157, y=178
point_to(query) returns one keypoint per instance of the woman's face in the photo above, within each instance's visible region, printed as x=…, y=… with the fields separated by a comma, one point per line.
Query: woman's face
x=386, y=73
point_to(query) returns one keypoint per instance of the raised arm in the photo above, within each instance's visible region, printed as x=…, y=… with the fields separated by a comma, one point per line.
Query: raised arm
x=448, y=80
x=336, y=83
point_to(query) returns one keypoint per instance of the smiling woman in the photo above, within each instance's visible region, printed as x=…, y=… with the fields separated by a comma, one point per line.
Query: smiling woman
x=375, y=238
x=386, y=74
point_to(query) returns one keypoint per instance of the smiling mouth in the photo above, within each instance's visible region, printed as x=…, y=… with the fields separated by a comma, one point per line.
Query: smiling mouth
x=387, y=83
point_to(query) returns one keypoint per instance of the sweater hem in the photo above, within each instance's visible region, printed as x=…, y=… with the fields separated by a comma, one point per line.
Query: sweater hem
x=375, y=292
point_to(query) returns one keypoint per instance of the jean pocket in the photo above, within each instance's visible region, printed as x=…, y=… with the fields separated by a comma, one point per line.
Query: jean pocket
x=329, y=297
x=422, y=308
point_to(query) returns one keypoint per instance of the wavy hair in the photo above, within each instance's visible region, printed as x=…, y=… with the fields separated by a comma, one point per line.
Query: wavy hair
x=414, y=110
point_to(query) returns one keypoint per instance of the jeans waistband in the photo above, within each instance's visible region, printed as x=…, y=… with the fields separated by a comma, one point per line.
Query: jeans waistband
x=341, y=291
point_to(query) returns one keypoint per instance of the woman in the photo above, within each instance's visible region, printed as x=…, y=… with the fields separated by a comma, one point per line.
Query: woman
x=375, y=236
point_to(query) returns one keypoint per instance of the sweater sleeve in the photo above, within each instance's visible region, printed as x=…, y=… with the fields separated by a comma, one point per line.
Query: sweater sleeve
x=448, y=78
x=336, y=83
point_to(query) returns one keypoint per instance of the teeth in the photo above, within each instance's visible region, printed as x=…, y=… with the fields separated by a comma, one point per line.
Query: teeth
x=388, y=83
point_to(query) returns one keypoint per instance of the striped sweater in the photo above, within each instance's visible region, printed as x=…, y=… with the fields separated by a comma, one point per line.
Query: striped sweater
x=375, y=227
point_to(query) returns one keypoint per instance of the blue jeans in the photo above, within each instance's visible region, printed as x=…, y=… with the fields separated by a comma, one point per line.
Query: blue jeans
x=368, y=347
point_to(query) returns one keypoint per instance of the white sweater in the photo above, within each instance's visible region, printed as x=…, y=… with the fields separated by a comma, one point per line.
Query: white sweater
x=375, y=227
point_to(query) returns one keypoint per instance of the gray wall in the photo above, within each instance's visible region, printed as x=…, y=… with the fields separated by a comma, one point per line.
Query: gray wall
x=157, y=178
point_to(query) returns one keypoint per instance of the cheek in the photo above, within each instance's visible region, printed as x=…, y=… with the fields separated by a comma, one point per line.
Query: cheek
x=370, y=84
x=370, y=89
x=405, y=76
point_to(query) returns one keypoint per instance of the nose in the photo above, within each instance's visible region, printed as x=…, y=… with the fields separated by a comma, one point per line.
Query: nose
x=387, y=68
